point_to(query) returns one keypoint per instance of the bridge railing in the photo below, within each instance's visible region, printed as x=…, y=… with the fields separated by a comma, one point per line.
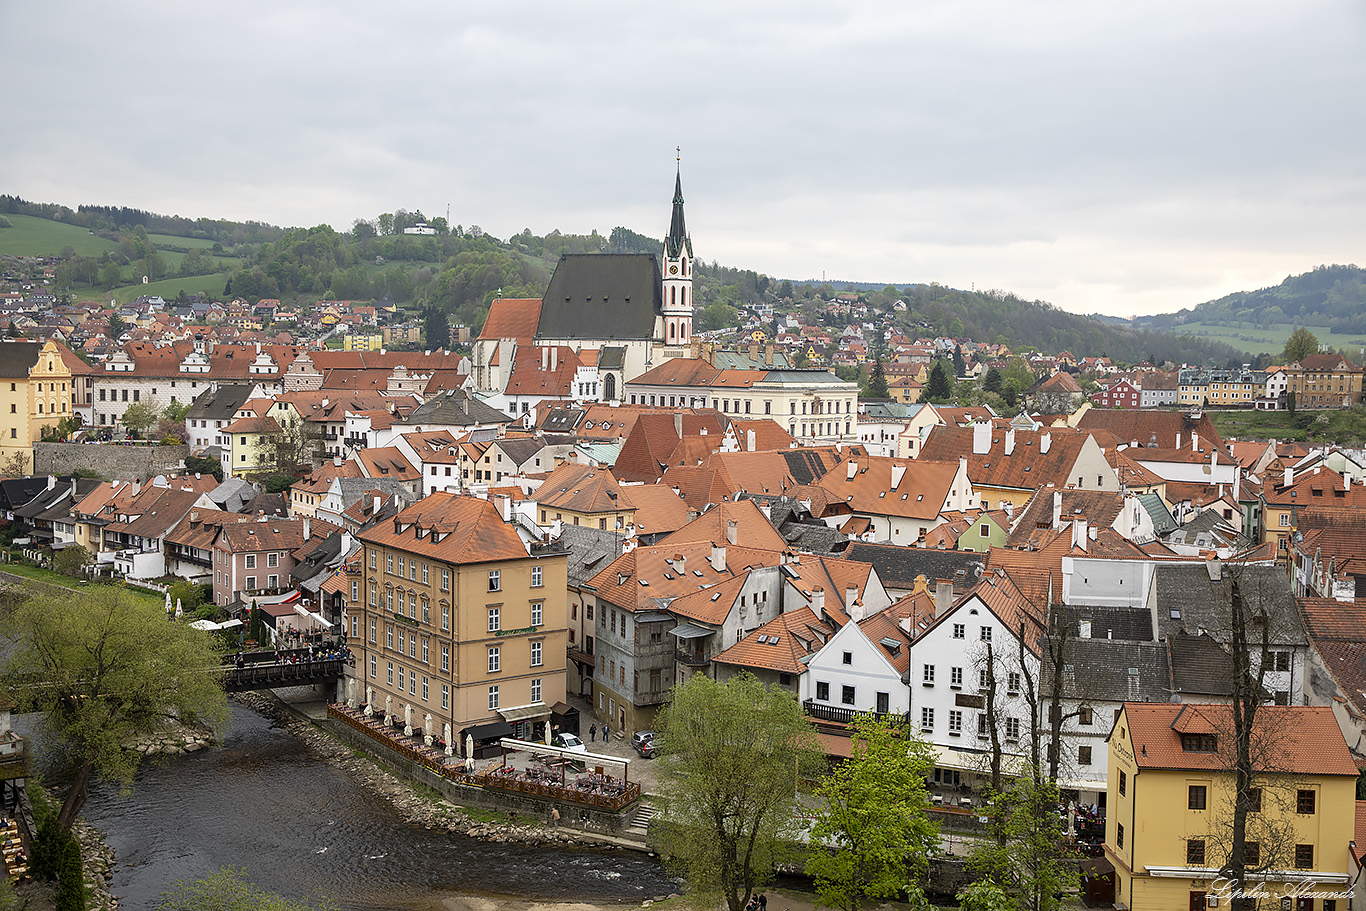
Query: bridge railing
x=264, y=676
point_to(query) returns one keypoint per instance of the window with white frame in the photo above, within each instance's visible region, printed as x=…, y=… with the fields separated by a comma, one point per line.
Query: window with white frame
x=495, y=619
x=389, y=563
x=536, y=654
x=249, y=561
x=537, y=613
x=391, y=672
x=926, y=719
x=493, y=698
x=445, y=616
x=424, y=573
x=495, y=659
x=535, y=689
x=372, y=667
x=983, y=679
x=536, y=576
x=426, y=644
x=445, y=656
x=985, y=634
x=445, y=579
x=960, y=630
x=424, y=688
x=445, y=695
x=927, y=675
x=1012, y=729
x=955, y=721
x=495, y=580
x=955, y=676
x=272, y=559
x=1013, y=682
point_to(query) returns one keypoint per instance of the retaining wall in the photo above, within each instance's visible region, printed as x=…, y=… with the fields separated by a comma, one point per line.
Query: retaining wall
x=114, y=461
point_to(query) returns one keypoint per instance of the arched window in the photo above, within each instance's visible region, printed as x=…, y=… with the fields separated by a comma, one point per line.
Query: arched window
x=673, y=332
x=673, y=296
x=609, y=387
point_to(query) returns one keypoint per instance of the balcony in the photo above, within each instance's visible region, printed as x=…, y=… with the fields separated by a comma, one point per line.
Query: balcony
x=845, y=716
x=690, y=659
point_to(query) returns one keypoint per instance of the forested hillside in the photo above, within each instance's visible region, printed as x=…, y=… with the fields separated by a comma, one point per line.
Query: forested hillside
x=457, y=271
x=1329, y=296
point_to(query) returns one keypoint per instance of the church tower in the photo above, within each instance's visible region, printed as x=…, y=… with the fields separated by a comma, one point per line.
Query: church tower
x=678, y=264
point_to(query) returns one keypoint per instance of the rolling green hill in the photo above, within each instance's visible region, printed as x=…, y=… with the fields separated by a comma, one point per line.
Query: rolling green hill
x=32, y=236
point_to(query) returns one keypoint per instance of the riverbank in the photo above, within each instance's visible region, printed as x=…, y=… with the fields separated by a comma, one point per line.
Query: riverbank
x=418, y=805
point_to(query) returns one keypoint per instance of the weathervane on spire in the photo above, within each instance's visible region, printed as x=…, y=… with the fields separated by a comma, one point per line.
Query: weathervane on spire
x=678, y=154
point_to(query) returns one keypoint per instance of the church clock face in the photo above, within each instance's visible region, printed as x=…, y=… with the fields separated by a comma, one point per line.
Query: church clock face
x=673, y=270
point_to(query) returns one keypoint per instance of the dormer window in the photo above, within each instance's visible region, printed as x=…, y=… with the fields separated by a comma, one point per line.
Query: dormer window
x=1199, y=743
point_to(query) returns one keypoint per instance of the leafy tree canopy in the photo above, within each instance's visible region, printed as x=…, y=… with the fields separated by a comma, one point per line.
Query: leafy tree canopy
x=1301, y=344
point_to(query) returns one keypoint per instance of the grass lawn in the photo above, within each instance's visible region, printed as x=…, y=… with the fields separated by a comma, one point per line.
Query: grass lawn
x=168, y=288
x=188, y=243
x=32, y=236
x=54, y=578
x=1257, y=340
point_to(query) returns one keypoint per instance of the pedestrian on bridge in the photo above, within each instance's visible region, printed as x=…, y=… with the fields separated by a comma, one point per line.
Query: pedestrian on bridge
x=592, y=733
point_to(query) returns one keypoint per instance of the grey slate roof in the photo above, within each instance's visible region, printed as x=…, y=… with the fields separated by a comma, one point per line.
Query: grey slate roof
x=1163, y=522
x=1209, y=530
x=356, y=489
x=1200, y=666
x=219, y=404
x=1107, y=670
x=521, y=450
x=18, y=358
x=612, y=357
x=234, y=494
x=898, y=566
x=590, y=549
x=1205, y=604
x=602, y=295
x=453, y=407
x=1129, y=624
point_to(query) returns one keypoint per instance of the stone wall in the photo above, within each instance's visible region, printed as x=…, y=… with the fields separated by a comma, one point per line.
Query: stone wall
x=114, y=461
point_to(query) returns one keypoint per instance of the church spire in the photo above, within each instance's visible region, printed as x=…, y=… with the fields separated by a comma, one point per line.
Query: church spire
x=678, y=239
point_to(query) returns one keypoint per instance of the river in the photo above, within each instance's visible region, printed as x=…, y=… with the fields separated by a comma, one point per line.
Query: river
x=303, y=829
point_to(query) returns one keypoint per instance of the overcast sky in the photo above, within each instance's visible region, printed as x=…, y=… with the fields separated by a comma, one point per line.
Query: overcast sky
x=1122, y=158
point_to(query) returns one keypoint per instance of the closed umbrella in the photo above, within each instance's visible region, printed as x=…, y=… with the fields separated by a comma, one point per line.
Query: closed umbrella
x=547, y=733
x=469, y=752
x=179, y=612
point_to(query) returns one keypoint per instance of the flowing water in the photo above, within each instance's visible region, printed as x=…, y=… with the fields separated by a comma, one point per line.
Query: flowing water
x=302, y=828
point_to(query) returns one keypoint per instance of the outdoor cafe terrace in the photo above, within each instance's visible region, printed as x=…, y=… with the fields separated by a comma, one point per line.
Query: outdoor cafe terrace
x=524, y=767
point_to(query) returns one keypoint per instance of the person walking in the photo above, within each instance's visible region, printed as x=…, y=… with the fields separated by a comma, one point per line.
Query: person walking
x=763, y=901
x=606, y=734
x=592, y=733
x=555, y=817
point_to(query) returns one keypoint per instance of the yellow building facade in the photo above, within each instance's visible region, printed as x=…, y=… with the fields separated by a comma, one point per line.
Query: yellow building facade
x=460, y=620
x=35, y=392
x=1170, y=799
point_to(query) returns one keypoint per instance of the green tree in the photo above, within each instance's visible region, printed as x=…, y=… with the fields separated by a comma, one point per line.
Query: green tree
x=71, y=561
x=959, y=365
x=228, y=890
x=993, y=382
x=873, y=818
x=1301, y=344
x=438, y=328
x=877, y=382
x=70, y=879
x=730, y=754
x=108, y=667
x=138, y=417
x=939, y=389
x=1026, y=852
x=1290, y=402
x=116, y=326
x=985, y=895
x=175, y=412
x=201, y=465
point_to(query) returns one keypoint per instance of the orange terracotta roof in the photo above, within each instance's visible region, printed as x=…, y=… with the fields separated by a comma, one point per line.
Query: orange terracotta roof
x=1306, y=739
x=780, y=644
x=452, y=528
x=919, y=493
x=512, y=318
x=658, y=508
x=752, y=529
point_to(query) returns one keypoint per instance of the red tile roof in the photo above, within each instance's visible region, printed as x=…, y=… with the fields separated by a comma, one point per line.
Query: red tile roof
x=512, y=318
x=452, y=528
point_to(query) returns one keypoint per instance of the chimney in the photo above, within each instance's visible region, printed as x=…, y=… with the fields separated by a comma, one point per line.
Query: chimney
x=732, y=531
x=749, y=440
x=337, y=461
x=376, y=502
x=308, y=527
x=1091, y=531
x=850, y=596
x=1195, y=441
x=943, y=595
x=1010, y=441
x=1057, y=508
x=898, y=472
x=1178, y=439
x=1289, y=477
x=1079, y=536
x=981, y=439
x=678, y=424
x=504, y=504
x=768, y=355
x=554, y=357
x=679, y=563
x=817, y=600
x=1085, y=632
x=1045, y=443
x=718, y=558
x=852, y=469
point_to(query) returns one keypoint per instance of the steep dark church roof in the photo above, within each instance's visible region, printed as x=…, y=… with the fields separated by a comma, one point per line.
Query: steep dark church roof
x=602, y=296
x=678, y=240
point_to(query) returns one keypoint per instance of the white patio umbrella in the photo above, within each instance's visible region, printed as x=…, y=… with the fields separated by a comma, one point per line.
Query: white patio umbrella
x=547, y=733
x=168, y=604
x=469, y=752
x=179, y=612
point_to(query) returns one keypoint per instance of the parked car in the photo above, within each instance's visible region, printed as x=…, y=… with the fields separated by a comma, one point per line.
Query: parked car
x=569, y=742
x=644, y=743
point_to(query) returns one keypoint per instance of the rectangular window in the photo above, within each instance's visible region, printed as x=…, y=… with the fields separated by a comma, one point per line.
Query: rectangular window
x=372, y=666
x=412, y=684
x=388, y=637
x=1084, y=716
x=983, y=681
x=402, y=639
x=445, y=579
x=400, y=566
x=1119, y=835
x=535, y=689
x=1123, y=782
x=926, y=719
x=445, y=657
x=928, y=675
x=495, y=659
x=985, y=634
x=426, y=646
x=955, y=721
x=982, y=725
x=272, y=559
x=1304, y=857
x=372, y=629
x=355, y=591
x=1013, y=682
x=536, y=654
x=495, y=580
x=822, y=691
x=1012, y=729
x=956, y=676
x=412, y=570
x=537, y=613
x=1195, y=797
x=1252, y=854
x=251, y=583
x=1254, y=800
x=495, y=619
x=445, y=616
x=389, y=563
x=1083, y=755
x=847, y=658
x=401, y=674
x=250, y=561
x=445, y=695
x=391, y=672
x=537, y=574
x=847, y=695
x=424, y=573
x=493, y=698
x=1195, y=852
x=1304, y=801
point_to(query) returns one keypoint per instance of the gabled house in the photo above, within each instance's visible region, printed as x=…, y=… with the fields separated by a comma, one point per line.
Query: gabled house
x=898, y=500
